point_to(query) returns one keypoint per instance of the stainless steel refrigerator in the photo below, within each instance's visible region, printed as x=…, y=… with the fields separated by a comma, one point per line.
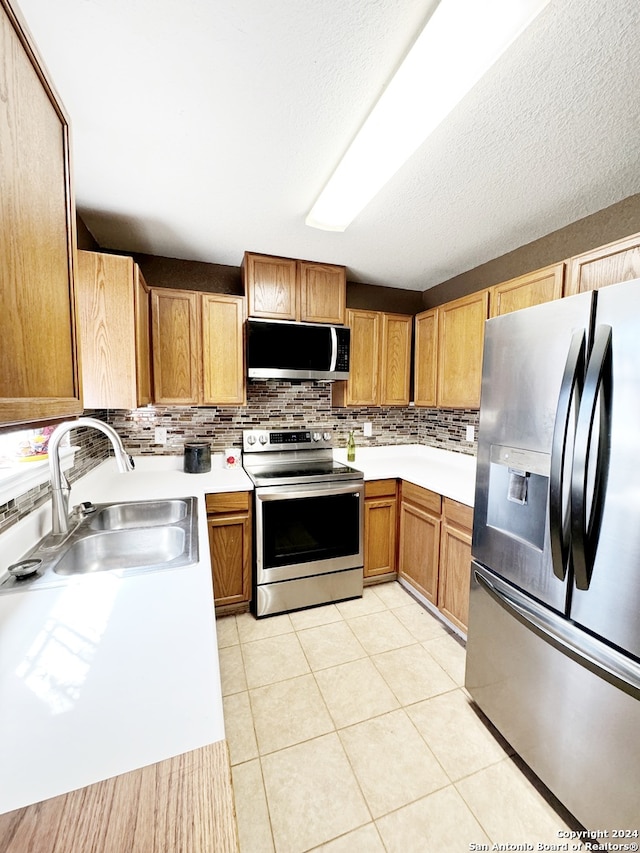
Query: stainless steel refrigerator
x=553, y=649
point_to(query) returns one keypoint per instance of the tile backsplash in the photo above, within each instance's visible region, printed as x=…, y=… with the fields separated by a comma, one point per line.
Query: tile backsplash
x=92, y=446
x=285, y=405
x=278, y=404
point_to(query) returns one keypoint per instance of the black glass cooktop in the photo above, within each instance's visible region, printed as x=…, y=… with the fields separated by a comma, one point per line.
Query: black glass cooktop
x=303, y=473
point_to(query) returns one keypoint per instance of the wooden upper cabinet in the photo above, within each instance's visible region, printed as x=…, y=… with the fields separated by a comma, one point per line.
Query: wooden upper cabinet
x=361, y=389
x=460, y=342
x=142, y=315
x=39, y=378
x=287, y=289
x=395, y=359
x=113, y=323
x=198, y=348
x=426, y=358
x=532, y=289
x=223, y=349
x=177, y=346
x=271, y=286
x=323, y=293
x=380, y=358
x=610, y=264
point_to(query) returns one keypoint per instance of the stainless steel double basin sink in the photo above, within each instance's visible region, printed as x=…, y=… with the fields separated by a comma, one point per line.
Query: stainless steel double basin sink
x=125, y=538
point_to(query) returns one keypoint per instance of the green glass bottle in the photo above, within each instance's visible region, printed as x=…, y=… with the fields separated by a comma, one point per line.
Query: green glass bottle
x=351, y=447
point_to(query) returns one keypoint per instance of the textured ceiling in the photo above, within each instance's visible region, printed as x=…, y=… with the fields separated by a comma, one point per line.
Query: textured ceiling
x=202, y=128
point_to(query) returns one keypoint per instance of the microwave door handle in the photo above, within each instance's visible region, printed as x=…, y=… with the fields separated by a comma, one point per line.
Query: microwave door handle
x=571, y=386
x=334, y=349
x=585, y=531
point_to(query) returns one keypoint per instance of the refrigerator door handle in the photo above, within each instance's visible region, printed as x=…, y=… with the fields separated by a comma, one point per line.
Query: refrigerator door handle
x=570, y=389
x=602, y=660
x=585, y=520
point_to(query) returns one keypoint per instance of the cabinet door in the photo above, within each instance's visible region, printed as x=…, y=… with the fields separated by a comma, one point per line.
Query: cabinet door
x=610, y=264
x=323, y=289
x=395, y=359
x=426, y=359
x=230, y=549
x=223, y=350
x=107, y=326
x=460, y=341
x=39, y=377
x=271, y=286
x=527, y=290
x=362, y=385
x=455, y=574
x=380, y=523
x=142, y=307
x=176, y=346
x=455, y=562
x=229, y=522
x=419, y=549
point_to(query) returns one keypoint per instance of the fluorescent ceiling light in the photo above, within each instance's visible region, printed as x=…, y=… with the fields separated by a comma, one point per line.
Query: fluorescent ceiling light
x=461, y=41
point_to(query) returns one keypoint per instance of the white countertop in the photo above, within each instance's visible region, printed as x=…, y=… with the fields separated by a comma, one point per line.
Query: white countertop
x=106, y=674
x=443, y=471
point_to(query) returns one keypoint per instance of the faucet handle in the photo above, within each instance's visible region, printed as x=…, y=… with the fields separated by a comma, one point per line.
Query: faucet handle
x=83, y=509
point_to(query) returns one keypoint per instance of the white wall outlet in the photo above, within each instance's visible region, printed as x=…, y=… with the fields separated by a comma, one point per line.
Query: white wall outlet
x=160, y=435
x=471, y=433
x=367, y=428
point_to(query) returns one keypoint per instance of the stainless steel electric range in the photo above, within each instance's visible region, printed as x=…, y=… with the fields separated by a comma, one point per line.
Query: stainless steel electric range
x=308, y=520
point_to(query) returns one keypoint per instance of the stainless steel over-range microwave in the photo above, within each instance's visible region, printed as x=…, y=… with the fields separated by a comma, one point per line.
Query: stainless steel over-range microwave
x=282, y=349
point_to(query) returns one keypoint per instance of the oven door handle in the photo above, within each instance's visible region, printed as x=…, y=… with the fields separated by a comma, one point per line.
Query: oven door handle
x=290, y=493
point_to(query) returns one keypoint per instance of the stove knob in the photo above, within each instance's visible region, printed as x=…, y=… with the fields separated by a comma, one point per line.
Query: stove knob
x=316, y=436
x=326, y=436
x=263, y=438
x=251, y=439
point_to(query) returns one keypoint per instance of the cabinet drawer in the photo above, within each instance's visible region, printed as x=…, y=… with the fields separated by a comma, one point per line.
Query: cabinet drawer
x=457, y=513
x=380, y=488
x=423, y=497
x=228, y=502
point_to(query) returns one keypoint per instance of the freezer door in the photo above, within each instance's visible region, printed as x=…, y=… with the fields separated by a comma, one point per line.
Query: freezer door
x=607, y=459
x=532, y=368
x=567, y=704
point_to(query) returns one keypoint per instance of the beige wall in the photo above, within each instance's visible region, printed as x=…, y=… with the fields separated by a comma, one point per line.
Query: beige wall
x=613, y=223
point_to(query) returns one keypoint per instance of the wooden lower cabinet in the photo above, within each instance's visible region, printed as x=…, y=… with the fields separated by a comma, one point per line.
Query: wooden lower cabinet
x=455, y=562
x=434, y=554
x=380, y=524
x=229, y=518
x=419, y=551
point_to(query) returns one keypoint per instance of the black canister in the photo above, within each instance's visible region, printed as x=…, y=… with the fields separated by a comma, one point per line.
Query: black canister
x=197, y=457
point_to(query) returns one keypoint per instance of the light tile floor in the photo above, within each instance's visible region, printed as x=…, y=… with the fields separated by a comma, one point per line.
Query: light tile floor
x=350, y=730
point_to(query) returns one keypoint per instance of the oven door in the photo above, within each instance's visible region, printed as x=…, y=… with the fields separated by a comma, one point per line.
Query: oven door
x=308, y=530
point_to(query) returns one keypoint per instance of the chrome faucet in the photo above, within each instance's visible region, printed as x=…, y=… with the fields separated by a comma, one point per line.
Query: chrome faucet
x=60, y=487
